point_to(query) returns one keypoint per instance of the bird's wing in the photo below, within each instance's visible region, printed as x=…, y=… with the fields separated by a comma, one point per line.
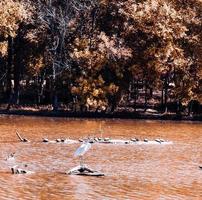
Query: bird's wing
x=87, y=147
x=82, y=149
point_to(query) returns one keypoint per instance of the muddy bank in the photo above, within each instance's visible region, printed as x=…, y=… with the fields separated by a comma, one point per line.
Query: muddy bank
x=122, y=115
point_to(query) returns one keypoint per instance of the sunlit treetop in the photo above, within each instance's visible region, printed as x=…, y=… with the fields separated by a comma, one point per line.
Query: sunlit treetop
x=12, y=13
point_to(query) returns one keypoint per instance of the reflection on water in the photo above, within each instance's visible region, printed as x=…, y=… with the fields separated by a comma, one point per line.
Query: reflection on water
x=132, y=171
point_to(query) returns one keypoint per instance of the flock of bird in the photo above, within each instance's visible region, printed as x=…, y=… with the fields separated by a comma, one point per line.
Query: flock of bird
x=99, y=140
x=85, y=146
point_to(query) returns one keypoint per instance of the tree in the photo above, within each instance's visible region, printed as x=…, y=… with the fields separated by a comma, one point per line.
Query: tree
x=100, y=51
x=12, y=14
x=60, y=21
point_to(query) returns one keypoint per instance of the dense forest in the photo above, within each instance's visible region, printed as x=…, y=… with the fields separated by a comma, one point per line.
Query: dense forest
x=101, y=56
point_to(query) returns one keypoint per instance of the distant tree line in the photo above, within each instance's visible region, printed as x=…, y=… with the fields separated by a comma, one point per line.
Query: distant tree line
x=98, y=55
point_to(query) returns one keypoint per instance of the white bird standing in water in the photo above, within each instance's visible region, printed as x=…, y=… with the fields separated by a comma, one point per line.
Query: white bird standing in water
x=82, y=169
x=81, y=151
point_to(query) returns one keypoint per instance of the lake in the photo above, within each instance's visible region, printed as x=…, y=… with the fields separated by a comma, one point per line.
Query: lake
x=146, y=171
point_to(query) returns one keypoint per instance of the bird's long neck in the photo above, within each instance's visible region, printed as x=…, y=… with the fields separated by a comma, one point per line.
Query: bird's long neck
x=81, y=161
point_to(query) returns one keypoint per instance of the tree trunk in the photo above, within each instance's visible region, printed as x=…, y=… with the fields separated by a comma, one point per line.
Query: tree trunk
x=129, y=91
x=9, y=87
x=40, y=88
x=18, y=64
x=145, y=98
x=162, y=99
x=166, y=96
x=17, y=73
x=54, y=92
x=39, y=85
x=151, y=91
x=136, y=95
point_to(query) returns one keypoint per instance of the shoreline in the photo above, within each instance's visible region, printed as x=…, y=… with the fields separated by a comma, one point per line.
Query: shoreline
x=100, y=115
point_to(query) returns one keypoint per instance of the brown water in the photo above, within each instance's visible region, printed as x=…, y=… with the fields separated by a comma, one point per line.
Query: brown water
x=148, y=171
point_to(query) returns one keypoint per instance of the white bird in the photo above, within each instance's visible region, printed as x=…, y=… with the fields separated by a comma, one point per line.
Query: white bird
x=82, y=150
x=10, y=157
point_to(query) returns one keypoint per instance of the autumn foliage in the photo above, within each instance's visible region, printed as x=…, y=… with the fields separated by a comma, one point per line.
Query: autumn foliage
x=98, y=55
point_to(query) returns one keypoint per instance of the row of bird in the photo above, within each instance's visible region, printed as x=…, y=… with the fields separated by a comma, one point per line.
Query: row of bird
x=100, y=140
